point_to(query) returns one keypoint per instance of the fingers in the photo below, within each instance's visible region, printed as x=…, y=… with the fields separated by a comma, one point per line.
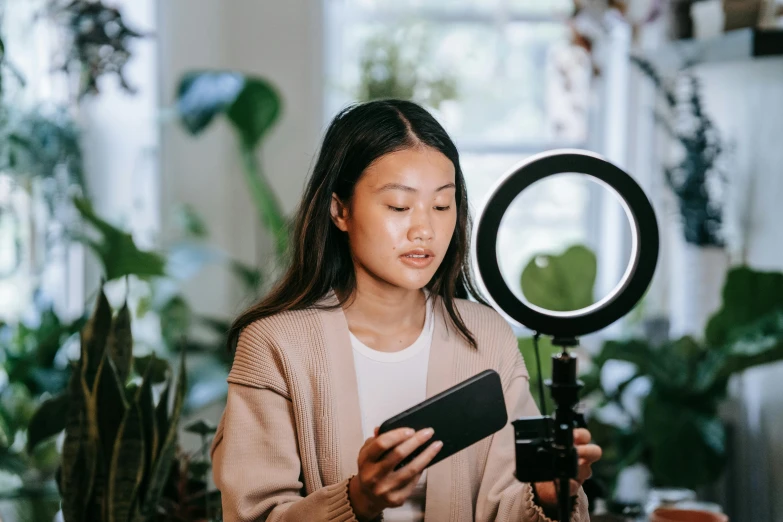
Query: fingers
x=402, y=450
x=376, y=431
x=589, y=453
x=378, y=446
x=581, y=436
x=415, y=467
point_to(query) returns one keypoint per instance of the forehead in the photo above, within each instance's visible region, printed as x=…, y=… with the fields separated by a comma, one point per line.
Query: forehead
x=421, y=168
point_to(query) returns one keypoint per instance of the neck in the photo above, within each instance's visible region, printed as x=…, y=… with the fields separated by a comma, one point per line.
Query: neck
x=384, y=309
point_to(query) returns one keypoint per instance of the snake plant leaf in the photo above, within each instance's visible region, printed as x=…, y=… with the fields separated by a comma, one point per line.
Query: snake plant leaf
x=111, y=405
x=121, y=343
x=48, y=420
x=94, y=336
x=748, y=295
x=78, y=460
x=561, y=282
x=151, y=438
x=127, y=464
x=116, y=249
x=162, y=418
x=168, y=446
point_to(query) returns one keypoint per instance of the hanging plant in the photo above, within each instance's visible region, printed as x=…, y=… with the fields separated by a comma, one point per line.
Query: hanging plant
x=698, y=179
x=99, y=41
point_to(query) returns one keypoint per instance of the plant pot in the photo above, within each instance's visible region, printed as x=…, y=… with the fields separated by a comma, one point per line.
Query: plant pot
x=741, y=13
x=686, y=515
x=696, y=282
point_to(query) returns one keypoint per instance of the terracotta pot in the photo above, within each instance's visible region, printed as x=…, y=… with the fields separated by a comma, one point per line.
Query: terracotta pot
x=686, y=515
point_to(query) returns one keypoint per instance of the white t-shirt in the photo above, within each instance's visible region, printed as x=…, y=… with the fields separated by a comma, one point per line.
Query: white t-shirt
x=389, y=383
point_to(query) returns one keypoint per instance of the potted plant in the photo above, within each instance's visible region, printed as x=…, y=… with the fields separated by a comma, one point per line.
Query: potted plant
x=697, y=180
x=674, y=427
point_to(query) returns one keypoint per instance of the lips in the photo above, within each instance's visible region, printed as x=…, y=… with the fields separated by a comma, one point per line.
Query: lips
x=418, y=257
x=419, y=253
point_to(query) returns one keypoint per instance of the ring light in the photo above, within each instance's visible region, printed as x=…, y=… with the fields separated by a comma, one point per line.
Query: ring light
x=644, y=244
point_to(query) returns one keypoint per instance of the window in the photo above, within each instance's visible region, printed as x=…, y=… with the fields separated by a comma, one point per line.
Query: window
x=519, y=88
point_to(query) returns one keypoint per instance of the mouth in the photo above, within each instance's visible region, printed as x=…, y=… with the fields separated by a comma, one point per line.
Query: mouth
x=418, y=258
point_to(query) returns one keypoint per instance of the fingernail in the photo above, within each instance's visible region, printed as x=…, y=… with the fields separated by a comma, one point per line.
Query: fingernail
x=437, y=444
x=409, y=432
x=428, y=432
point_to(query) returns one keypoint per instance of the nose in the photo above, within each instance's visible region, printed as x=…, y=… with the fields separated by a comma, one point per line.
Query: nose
x=421, y=227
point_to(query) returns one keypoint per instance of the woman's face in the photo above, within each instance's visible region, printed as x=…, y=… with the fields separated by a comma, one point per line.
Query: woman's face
x=401, y=217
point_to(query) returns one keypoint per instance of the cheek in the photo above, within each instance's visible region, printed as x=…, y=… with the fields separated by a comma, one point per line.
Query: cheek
x=375, y=233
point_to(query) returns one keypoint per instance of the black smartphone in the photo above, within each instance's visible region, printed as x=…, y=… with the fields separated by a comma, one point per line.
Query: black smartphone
x=461, y=416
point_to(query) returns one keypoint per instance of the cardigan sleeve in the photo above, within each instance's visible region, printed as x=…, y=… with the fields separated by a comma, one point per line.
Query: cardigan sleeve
x=501, y=497
x=256, y=464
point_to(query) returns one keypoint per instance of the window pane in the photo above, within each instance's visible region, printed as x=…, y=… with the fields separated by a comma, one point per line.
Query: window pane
x=520, y=7
x=497, y=81
x=432, y=5
x=557, y=7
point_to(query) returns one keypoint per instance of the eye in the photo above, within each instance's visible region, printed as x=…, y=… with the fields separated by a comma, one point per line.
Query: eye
x=397, y=209
x=443, y=209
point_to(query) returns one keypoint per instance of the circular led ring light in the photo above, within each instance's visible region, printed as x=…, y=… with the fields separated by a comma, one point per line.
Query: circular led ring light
x=644, y=244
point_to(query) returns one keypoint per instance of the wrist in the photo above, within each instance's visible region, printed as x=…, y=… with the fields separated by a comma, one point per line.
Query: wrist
x=362, y=509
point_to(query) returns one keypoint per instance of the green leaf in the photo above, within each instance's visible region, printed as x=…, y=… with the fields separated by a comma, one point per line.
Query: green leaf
x=78, y=460
x=127, y=465
x=149, y=421
x=199, y=470
x=158, y=368
x=758, y=343
x=687, y=447
x=647, y=360
x=116, y=250
x=546, y=351
x=251, y=104
x=111, y=405
x=120, y=343
x=175, y=320
x=561, y=283
x=748, y=295
x=250, y=276
x=94, y=337
x=201, y=427
x=162, y=422
x=162, y=466
x=48, y=420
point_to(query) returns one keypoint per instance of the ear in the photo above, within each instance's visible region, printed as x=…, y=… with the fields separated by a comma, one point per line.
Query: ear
x=339, y=213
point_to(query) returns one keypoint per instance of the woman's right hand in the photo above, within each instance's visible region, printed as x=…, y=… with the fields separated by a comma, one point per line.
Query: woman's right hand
x=377, y=485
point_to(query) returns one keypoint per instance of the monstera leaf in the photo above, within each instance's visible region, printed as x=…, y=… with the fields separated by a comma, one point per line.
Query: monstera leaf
x=561, y=283
x=116, y=249
x=748, y=295
x=252, y=106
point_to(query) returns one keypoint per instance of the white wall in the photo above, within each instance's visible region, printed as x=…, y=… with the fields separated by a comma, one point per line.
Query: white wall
x=281, y=42
x=744, y=99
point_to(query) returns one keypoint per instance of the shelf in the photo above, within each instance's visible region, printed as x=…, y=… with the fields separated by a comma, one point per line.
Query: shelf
x=732, y=46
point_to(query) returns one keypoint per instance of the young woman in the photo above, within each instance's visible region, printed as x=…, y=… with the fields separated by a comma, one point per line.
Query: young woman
x=370, y=319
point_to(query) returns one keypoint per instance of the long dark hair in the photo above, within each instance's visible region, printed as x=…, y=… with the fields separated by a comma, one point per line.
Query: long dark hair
x=320, y=257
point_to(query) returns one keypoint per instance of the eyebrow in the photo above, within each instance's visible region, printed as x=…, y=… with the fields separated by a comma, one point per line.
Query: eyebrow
x=406, y=188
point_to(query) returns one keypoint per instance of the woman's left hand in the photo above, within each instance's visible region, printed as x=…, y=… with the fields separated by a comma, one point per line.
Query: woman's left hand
x=587, y=454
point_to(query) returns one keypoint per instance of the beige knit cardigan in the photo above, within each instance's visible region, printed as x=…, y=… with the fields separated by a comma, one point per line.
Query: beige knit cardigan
x=290, y=435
